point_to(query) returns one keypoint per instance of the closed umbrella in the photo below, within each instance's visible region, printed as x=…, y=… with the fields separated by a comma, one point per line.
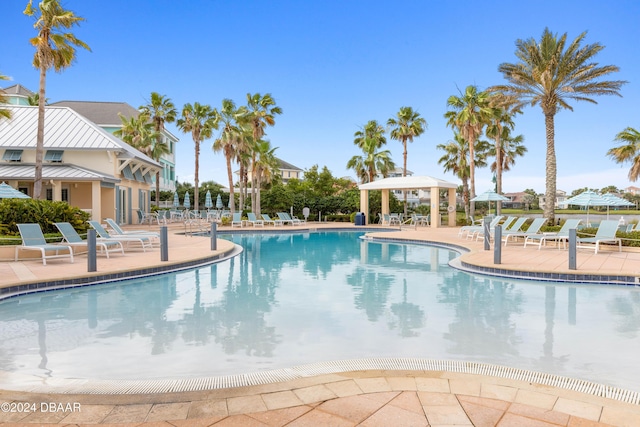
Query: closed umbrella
x=587, y=198
x=176, y=200
x=490, y=196
x=219, y=204
x=208, y=203
x=187, y=202
x=8, y=192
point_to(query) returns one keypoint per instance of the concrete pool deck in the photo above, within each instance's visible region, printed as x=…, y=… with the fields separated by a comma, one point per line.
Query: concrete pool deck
x=367, y=397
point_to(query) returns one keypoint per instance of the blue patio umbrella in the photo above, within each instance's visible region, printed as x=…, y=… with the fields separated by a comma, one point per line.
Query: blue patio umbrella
x=208, y=203
x=219, y=204
x=187, y=202
x=587, y=198
x=8, y=192
x=490, y=196
x=616, y=201
x=176, y=200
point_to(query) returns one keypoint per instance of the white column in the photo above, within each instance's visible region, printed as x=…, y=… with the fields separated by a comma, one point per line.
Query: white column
x=364, y=204
x=452, y=202
x=435, y=207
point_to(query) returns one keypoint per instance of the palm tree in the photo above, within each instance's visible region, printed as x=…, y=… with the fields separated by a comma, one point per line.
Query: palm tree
x=373, y=161
x=501, y=124
x=456, y=160
x=262, y=110
x=54, y=49
x=160, y=110
x=3, y=100
x=138, y=132
x=404, y=127
x=629, y=151
x=229, y=140
x=551, y=73
x=510, y=148
x=265, y=166
x=200, y=120
x=469, y=113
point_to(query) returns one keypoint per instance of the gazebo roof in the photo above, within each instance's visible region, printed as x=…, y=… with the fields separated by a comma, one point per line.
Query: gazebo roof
x=407, y=183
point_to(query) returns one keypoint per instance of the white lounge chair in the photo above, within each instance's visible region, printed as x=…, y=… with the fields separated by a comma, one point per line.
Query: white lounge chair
x=534, y=228
x=254, y=221
x=144, y=241
x=561, y=236
x=118, y=231
x=72, y=238
x=267, y=220
x=33, y=240
x=606, y=234
x=236, y=221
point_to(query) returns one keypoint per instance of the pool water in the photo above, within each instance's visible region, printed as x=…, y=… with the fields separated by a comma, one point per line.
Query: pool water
x=292, y=299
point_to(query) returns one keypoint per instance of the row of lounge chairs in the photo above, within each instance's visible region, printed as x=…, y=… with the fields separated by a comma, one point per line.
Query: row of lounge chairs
x=283, y=219
x=33, y=240
x=512, y=231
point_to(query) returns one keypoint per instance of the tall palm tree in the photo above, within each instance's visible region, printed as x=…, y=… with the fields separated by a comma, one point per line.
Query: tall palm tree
x=138, y=132
x=160, y=110
x=551, y=73
x=54, y=49
x=262, y=110
x=229, y=139
x=200, y=120
x=265, y=168
x=499, y=124
x=628, y=151
x=404, y=127
x=3, y=100
x=510, y=148
x=469, y=113
x=373, y=161
x=456, y=160
x=371, y=131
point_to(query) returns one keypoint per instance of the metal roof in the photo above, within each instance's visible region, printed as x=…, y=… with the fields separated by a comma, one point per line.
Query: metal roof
x=64, y=128
x=69, y=172
x=407, y=183
x=105, y=114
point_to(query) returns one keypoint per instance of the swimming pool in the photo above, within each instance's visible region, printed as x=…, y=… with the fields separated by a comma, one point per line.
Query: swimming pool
x=291, y=299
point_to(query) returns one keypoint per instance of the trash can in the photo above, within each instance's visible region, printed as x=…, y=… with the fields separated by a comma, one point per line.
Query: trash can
x=360, y=218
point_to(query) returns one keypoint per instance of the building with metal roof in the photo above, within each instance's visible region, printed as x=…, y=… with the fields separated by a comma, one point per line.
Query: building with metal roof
x=107, y=116
x=83, y=164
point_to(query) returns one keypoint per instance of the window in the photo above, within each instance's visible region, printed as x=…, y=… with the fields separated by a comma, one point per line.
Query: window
x=53, y=156
x=12, y=155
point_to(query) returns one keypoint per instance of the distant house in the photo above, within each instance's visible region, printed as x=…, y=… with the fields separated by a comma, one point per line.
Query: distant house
x=414, y=198
x=106, y=115
x=516, y=200
x=288, y=171
x=633, y=190
x=560, y=202
x=83, y=165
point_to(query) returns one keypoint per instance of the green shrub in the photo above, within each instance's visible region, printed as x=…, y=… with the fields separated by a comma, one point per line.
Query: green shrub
x=42, y=212
x=352, y=218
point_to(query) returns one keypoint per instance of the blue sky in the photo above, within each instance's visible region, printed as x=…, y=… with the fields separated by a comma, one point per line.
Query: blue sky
x=334, y=65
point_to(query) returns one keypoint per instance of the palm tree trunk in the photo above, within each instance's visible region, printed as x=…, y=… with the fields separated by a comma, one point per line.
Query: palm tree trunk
x=465, y=196
x=551, y=170
x=232, y=201
x=37, y=182
x=257, y=191
x=241, y=186
x=472, y=177
x=196, y=178
x=404, y=173
x=498, y=172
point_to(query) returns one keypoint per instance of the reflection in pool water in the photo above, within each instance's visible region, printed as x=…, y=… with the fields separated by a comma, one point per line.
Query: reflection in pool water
x=291, y=299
